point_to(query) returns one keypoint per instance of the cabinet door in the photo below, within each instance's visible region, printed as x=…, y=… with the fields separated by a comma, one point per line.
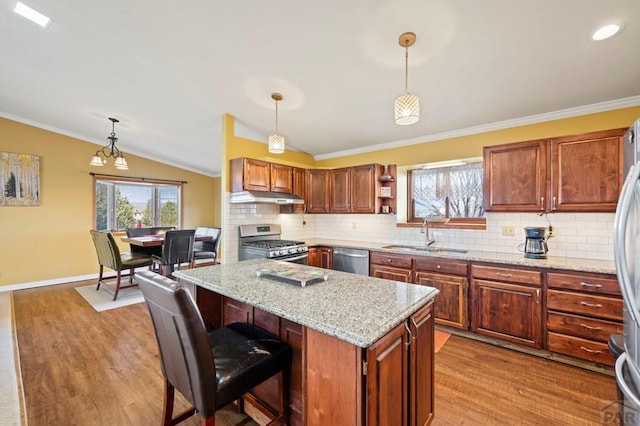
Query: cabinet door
x=363, y=186
x=451, y=305
x=390, y=273
x=291, y=334
x=299, y=187
x=326, y=258
x=235, y=311
x=387, y=379
x=506, y=311
x=515, y=176
x=281, y=178
x=314, y=257
x=340, y=183
x=317, y=199
x=256, y=175
x=421, y=367
x=586, y=172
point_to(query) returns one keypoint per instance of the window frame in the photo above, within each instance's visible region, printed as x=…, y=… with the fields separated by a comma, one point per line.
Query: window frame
x=140, y=181
x=449, y=223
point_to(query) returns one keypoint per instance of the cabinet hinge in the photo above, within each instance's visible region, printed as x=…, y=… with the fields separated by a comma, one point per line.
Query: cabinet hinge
x=364, y=368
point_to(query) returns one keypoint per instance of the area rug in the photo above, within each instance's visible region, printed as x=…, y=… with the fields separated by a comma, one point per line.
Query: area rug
x=439, y=339
x=102, y=300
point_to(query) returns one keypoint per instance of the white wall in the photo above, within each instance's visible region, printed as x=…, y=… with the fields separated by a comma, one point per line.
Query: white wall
x=581, y=235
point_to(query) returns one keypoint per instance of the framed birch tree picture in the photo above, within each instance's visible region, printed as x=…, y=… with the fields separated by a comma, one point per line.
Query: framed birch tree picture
x=19, y=179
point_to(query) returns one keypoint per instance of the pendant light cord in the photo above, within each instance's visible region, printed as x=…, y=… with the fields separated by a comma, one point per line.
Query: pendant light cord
x=406, y=68
x=277, y=117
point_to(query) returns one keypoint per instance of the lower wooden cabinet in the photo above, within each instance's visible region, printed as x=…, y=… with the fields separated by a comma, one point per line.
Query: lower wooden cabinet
x=507, y=304
x=391, y=384
x=391, y=266
x=583, y=310
x=321, y=256
x=451, y=307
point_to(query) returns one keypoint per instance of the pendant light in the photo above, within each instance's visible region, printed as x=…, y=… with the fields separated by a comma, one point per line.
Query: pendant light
x=407, y=105
x=276, y=140
x=110, y=150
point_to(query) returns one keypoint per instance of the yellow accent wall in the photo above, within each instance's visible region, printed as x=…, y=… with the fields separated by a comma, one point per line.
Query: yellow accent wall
x=471, y=146
x=51, y=241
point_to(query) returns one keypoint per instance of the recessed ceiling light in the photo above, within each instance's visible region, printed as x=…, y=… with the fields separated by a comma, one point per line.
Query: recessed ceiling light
x=31, y=14
x=605, y=32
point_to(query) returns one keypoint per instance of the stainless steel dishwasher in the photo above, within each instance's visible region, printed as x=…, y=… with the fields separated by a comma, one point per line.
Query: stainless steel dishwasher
x=351, y=260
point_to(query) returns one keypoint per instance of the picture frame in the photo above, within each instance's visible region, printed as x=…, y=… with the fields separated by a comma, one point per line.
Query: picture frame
x=19, y=179
x=385, y=191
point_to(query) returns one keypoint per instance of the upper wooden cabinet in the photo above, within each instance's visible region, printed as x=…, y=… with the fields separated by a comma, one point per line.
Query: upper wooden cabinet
x=248, y=174
x=580, y=173
x=281, y=178
x=352, y=189
x=317, y=198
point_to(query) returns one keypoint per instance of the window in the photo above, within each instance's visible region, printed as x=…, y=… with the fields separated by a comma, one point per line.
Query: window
x=122, y=204
x=453, y=193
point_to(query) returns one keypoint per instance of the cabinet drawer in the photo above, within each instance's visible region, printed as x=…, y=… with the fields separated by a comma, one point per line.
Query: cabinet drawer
x=586, y=304
x=391, y=260
x=521, y=276
x=587, y=328
x=600, y=285
x=580, y=348
x=444, y=266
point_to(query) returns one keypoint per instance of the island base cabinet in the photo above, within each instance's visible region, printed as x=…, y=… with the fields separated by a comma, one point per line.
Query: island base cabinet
x=389, y=383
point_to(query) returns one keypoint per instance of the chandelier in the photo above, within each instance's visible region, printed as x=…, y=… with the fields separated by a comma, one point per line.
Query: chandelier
x=407, y=105
x=110, y=150
x=276, y=140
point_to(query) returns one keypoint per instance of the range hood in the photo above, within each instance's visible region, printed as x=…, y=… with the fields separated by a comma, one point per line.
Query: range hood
x=264, y=197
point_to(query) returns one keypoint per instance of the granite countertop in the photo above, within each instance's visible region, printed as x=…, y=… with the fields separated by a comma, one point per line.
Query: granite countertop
x=353, y=308
x=518, y=259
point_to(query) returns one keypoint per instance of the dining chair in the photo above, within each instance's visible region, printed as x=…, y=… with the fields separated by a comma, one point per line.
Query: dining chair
x=177, y=249
x=207, y=249
x=211, y=369
x=109, y=256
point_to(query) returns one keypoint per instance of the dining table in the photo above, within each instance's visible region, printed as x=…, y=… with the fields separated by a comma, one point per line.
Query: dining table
x=156, y=240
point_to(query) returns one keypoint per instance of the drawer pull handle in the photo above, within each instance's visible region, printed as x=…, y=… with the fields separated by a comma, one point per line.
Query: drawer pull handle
x=588, y=327
x=583, y=284
x=438, y=266
x=410, y=335
x=413, y=321
x=591, y=305
x=591, y=351
x=501, y=274
x=389, y=260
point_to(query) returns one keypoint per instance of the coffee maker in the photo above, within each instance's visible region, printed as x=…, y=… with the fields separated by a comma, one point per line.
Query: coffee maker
x=535, y=245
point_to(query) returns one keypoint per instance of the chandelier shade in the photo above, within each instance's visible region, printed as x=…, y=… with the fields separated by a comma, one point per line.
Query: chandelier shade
x=110, y=150
x=407, y=105
x=276, y=140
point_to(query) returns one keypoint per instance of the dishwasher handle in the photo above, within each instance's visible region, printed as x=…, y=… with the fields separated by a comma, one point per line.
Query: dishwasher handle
x=344, y=253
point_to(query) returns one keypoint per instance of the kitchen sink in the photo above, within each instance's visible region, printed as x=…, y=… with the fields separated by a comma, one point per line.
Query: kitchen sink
x=426, y=249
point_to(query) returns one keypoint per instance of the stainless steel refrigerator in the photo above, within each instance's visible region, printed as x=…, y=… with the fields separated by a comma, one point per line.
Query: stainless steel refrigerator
x=626, y=247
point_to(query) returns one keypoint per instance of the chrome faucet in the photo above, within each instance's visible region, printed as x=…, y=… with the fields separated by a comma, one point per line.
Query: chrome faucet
x=428, y=241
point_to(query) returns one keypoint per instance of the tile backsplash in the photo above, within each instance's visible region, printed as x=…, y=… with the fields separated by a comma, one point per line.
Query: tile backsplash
x=581, y=235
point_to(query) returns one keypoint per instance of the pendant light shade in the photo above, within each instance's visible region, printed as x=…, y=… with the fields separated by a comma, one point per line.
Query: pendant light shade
x=276, y=140
x=407, y=105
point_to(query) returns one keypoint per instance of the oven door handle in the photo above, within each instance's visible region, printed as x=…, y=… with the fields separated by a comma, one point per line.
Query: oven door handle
x=291, y=259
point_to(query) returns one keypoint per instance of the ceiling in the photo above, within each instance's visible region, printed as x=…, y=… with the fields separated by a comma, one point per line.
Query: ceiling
x=169, y=72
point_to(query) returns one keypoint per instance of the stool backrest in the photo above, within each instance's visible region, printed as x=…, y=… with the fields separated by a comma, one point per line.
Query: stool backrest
x=185, y=353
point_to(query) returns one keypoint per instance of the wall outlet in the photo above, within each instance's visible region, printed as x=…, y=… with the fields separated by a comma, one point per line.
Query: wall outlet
x=353, y=225
x=508, y=231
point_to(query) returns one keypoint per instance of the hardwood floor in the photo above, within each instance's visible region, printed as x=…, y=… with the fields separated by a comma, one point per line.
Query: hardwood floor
x=81, y=367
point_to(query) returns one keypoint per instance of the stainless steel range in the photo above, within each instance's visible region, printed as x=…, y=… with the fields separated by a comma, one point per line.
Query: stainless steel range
x=260, y=241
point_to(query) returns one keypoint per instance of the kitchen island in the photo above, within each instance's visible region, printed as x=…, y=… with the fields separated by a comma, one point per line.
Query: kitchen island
x=363, y=347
